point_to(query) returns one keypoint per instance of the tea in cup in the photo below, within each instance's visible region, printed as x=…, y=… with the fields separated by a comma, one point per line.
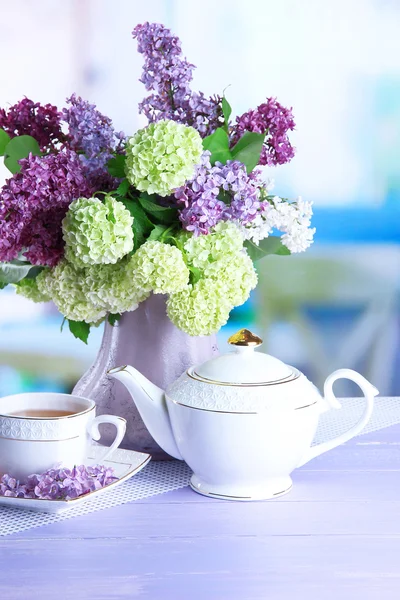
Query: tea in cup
x=41, y=430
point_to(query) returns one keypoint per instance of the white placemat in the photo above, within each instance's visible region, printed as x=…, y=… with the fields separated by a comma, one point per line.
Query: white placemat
x=161, y=477
x=156, y=478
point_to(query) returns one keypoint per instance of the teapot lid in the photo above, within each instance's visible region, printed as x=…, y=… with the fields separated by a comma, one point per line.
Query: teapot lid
x=244, y=365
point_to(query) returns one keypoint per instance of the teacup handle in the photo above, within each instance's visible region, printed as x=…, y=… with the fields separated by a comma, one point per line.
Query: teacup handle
x=94, y=432
x=369, y=392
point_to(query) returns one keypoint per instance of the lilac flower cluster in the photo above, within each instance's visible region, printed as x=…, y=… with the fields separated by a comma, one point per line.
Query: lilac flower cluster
x=93, y=134
x=168, y=74
x=31, y=118
x=59, y=484
x=275, y=121
x=34, y=202
x=219, y=193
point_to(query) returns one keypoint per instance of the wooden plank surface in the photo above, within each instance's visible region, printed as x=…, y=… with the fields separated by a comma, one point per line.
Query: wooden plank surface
x=336, y=535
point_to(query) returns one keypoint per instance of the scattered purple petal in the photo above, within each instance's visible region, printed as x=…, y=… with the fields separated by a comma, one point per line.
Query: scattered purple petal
x=59, y=484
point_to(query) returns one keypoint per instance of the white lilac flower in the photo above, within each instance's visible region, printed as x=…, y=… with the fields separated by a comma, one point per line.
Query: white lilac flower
x=293, y=219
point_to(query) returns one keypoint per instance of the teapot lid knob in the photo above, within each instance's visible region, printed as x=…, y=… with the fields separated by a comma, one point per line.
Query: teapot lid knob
x=244, y=337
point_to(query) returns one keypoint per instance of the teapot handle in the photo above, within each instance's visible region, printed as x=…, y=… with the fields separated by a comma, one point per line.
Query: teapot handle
x=369, y=392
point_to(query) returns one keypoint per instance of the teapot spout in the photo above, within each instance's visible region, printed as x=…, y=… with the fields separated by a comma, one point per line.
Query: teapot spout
x=151, y=404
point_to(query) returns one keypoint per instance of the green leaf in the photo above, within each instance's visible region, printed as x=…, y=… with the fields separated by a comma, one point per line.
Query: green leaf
x=18, y=148
x=218, y=144
x=169, y=234
x=3, y=285
x=34, y=272
x=112, y=319
x=142, y=225
x=226, y=111
x=116, y=166
x=123, y=188
x=161, y=213
x=4, y=139
x=270, y=245
x=195, y=274
x=248, y=149
x=14, y=271
x=79, y=329
x=158, y=232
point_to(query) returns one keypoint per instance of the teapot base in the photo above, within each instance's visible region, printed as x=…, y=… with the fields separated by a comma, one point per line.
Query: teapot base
x=272, y=489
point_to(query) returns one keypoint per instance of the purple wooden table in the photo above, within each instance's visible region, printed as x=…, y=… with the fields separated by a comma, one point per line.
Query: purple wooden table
x=336, y=535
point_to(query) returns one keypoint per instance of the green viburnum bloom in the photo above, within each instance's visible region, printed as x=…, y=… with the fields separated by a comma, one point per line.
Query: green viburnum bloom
x=224, y=240
x=200, y=309
x=237, y=274
x=65, y=285
x=29, y=289
x=227, y=276
x=162, y=156
x=159, y=268
x=113, y=288
x=89, y=294
x=97, y=232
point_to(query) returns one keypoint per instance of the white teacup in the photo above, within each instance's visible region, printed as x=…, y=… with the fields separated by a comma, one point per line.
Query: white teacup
x=41, y=430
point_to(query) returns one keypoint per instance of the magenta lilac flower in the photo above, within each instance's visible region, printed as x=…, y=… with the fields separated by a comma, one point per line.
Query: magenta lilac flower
x=168, y=75
x=33, y=203
x=219, y=193
x=275, y=121
x=31, y=118
x=59, y=484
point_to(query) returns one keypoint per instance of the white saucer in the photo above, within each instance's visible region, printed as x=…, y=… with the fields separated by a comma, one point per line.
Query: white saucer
x=125, y=463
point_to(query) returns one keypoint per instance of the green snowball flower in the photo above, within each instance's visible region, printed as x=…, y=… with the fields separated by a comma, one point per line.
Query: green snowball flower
x=227, y=276
x=97, y=232
x=65, y=285
x=113, y=288
x=200, y=309
x=29, y=289
x=162, y=156
x=89, y=294
x=159, y=268
x=225, y=240
x=236, y=274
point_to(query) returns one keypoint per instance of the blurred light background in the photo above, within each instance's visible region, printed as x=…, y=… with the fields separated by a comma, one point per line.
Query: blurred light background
x=337, y=63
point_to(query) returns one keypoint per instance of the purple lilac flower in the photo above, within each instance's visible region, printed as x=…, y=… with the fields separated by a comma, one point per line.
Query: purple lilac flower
x=168, y=75
x=219, y=193
x=33, y=203
x=30, y=118
x=275, y=120
x=59, y=484
x=93, y=134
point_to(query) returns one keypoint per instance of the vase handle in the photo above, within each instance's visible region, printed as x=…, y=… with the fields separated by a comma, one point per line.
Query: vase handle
x=94, y=432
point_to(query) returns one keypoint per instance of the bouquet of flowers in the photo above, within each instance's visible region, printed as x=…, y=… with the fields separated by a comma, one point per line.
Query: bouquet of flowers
x=97, y=221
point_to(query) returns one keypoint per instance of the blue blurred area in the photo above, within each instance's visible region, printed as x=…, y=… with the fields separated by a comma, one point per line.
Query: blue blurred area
x=359, y=223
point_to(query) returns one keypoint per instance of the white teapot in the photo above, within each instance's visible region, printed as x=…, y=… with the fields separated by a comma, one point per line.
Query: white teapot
x=242, y=421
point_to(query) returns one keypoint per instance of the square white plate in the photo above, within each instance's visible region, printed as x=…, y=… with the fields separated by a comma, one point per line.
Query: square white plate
x=125, y=463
